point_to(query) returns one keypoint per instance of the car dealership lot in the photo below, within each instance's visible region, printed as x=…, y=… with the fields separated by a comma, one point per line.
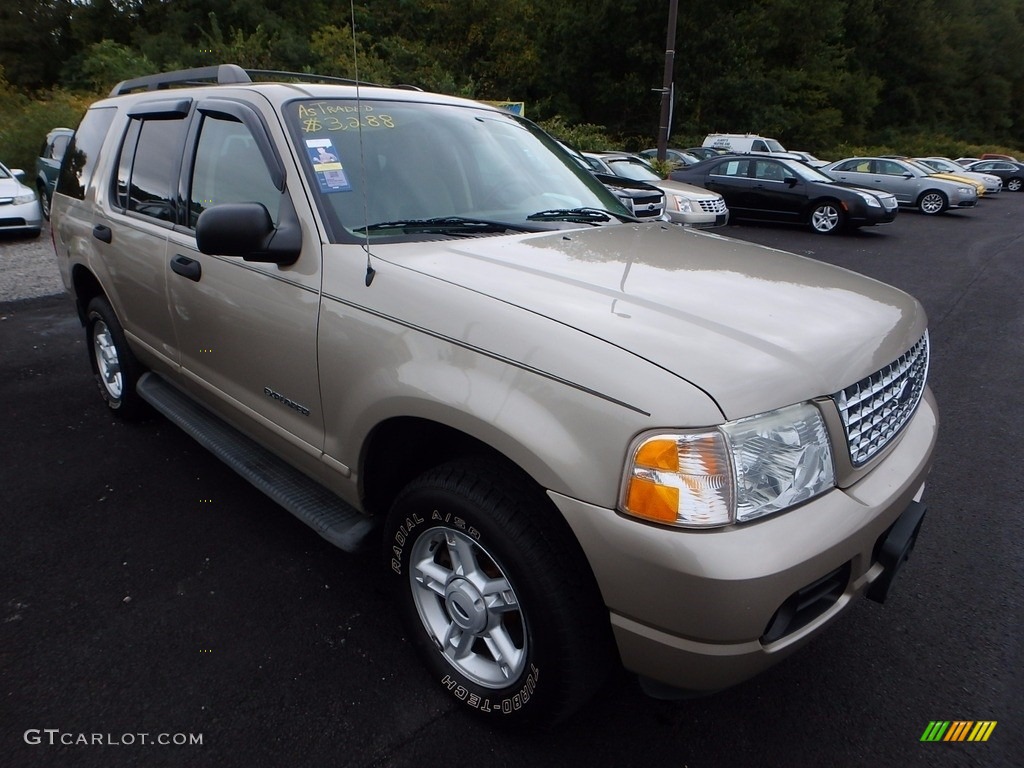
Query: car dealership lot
x=145, y=588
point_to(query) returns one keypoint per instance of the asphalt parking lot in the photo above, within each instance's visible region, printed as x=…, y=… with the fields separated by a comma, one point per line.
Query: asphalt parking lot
x=147, y=593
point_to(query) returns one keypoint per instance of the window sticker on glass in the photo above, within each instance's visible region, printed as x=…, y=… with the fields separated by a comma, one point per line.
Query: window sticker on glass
x=327, y=165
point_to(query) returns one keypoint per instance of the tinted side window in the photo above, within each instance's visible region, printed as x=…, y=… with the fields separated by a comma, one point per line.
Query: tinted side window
x=890, y=168
x=732, y=168
x=766, y=169
x=148, y=168
x=229, y=168
x=83, y=151
x=59, y=145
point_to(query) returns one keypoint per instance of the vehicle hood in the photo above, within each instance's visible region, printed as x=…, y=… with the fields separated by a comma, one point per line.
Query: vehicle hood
x=876, y=192
x=686, y=190
x=754, y=327
x=963, y=181
x=11, y=187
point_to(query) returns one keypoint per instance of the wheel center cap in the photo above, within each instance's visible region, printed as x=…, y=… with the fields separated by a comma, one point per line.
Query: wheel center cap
x=465, y=606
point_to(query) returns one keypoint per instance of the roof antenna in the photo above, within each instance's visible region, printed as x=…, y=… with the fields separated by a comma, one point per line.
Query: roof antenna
x=370, y=271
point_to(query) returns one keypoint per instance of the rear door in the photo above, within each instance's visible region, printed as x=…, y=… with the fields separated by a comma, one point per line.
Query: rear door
x=142, y=207
x=730, y=178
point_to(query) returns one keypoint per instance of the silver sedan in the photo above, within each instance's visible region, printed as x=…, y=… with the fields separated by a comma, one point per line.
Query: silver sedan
x=910, y=183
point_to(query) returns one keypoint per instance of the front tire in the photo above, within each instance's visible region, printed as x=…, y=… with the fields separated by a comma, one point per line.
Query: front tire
x=827, y=218
x=1014, y=184
x=114, y=367
x=932, y=202
x=44, y=201
x=496, y=593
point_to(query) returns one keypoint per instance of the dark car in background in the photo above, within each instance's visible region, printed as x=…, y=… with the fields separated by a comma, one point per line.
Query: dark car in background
x=680, y=157
x=684, y=203
x=764, y=188
x=48, y=165
x=1010, y=172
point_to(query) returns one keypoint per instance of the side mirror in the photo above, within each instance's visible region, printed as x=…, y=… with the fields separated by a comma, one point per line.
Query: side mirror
x=791, y=181
x=246, y=230
x=908, y=175
x=18, y=173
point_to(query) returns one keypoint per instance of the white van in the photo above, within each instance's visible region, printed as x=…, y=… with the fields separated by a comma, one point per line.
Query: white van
x=742, y=142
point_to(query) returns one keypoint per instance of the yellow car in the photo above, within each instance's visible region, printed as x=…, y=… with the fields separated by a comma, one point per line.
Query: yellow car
x=948, y=176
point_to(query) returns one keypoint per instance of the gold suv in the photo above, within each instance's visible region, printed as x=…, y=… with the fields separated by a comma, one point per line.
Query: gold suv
x=576, y=438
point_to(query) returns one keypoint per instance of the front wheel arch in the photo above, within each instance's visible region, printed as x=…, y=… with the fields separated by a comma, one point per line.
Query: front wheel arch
x=827, y=217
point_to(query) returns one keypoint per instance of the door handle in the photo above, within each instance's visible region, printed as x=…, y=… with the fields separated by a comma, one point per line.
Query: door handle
x=103, y=232
x=187, y=267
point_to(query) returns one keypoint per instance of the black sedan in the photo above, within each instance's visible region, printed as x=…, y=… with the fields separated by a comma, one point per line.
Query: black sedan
x=1012, y=173
x=763, y=188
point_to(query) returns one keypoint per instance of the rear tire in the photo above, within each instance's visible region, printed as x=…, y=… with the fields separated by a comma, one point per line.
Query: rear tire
x=496, y=593
x=1014, y=184
x=114, y=367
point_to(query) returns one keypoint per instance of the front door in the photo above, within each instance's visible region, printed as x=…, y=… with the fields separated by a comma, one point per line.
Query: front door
x=247, y=331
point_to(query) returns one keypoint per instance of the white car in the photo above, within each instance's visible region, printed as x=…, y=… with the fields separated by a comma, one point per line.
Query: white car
x=684, y=203
x=19, y=206
x=993, y=184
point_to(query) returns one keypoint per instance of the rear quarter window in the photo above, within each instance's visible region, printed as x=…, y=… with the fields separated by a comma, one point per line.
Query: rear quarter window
x=83, y=152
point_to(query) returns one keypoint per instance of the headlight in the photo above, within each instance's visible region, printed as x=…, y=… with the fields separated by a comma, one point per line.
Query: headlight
x=871, y=200
x=683, y=205
x=28, y=197
x=967, y=191
x=730, y=474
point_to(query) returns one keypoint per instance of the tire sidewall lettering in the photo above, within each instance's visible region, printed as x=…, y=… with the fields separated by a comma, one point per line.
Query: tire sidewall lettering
x=403, y=534
x=506, y=706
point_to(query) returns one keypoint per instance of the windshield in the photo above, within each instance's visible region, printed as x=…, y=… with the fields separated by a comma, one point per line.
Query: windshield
x=414, y=170
x=629, y=168
x=807, y=172
x=923, y=168
x=938, y=164
x=774, y=146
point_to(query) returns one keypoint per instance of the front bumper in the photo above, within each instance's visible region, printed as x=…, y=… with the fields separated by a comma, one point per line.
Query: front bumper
x=692, y=609
x=23, y=217
x=699, y=219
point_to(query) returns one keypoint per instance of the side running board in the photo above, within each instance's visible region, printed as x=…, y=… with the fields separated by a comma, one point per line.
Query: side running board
x=317, y=507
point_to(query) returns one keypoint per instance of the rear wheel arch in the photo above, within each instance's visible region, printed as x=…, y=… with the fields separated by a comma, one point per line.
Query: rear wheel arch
x=86, y=287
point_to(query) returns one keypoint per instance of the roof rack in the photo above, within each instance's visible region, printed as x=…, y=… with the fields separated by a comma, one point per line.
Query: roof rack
x=222, y=74
x=308, y=77
x=227, y=74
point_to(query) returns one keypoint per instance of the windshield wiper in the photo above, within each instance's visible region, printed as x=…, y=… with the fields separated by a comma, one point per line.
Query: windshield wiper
x=448, y=225
x=582, y=215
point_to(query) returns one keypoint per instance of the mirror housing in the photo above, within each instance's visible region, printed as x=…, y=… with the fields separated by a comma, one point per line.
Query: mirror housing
x=246, y=230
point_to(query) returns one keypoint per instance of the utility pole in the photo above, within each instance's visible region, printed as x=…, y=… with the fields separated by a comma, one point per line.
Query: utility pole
x=666, y=90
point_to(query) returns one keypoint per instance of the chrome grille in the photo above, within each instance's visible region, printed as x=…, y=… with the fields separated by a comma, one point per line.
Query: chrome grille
x=876, y=408
x=713, y=206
